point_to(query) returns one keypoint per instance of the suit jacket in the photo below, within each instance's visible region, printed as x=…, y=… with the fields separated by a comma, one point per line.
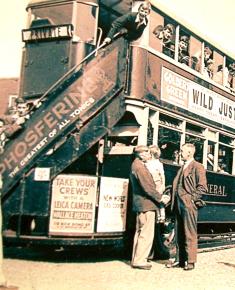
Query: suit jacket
x=194, y=181
x=128, y=22
x=144, y=193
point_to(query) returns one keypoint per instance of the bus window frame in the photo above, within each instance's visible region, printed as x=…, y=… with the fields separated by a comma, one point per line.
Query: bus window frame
x=174, y=60
x=208, y=134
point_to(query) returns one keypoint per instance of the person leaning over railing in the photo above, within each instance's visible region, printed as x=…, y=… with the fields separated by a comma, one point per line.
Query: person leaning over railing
x=134, y=23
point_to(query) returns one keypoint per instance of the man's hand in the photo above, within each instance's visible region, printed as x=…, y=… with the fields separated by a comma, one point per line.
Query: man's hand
x=165, y=199
x=107, y=40
x=20, y=120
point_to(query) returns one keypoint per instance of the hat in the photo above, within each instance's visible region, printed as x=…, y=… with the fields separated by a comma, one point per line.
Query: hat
x=141, y=148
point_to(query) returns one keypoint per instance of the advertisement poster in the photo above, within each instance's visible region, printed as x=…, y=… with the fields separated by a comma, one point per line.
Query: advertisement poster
x=73, y=204
x=112, y=205
x=197, y=99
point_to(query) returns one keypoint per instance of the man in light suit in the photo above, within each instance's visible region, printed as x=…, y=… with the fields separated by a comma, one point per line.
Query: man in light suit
x=188, y=186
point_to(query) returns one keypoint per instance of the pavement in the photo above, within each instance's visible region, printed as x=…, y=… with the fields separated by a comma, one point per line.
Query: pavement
x=72, y=270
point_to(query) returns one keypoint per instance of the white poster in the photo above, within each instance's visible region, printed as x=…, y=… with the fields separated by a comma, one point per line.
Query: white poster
x=112, y=204
x=197, y=99
x=73, y=204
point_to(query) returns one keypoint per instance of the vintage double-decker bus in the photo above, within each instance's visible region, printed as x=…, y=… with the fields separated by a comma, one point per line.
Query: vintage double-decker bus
x=66, y=172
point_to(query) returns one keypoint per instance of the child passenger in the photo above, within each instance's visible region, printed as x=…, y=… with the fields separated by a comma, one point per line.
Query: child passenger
x=156, y=169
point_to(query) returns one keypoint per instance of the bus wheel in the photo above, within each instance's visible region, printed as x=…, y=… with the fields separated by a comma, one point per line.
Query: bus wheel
x=164, y=245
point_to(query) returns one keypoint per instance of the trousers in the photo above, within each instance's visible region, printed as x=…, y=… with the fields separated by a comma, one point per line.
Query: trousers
x=144, y=236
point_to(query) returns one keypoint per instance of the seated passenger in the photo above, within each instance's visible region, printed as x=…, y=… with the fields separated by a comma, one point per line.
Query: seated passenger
x=208, y=63
x=231, y=77
x=183, y=56
x=166, y=35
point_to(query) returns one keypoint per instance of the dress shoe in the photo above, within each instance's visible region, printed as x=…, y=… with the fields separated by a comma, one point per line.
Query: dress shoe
x=189, y=266
x=175, y=264
x=142, y=267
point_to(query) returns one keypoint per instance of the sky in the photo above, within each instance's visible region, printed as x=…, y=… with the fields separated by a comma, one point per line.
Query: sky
x=213, y=18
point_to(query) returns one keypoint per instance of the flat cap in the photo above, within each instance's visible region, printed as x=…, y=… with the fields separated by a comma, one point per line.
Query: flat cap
x=141, y=148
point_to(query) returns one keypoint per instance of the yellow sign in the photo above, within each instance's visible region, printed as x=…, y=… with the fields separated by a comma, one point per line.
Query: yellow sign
x=73, y=205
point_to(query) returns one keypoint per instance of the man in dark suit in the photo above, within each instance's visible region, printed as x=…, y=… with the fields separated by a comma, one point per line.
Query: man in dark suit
x=188, y=186
x=133, y=22
x=144, y=203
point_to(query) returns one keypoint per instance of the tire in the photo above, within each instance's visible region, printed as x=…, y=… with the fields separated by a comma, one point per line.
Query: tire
x=164, y=242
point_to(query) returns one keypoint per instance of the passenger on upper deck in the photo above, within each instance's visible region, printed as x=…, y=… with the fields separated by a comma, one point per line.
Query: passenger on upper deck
x=22, y=112
x=166, y=35
x=208, y=62
x=133, y=22
x=183, y=50
x=14, y=122
x=231, y=77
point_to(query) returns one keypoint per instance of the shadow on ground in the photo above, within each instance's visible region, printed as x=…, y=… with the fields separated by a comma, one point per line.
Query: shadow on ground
x=68, y=255
x=227, y=264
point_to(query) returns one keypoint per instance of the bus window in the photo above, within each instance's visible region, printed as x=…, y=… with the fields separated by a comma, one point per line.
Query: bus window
x=169, y=142
x=218, y=67
x=150, y=134
x=190, y=50
x=211, y=156
x=162, y=34
x=194, y=134
x=208, y=62
x=56, y=15
x=195, y=52
x=169, y=137
x=86, y=25
x=183, y=55
x=225, y=158
x=230, y=80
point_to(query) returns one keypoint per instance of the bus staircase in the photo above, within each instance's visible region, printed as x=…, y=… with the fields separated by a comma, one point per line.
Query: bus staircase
x=79, y=110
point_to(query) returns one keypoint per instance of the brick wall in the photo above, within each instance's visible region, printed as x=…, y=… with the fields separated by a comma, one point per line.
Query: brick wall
x=8, y=86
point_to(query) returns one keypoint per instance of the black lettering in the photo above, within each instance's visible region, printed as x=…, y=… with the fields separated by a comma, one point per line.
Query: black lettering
x=195, y=96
